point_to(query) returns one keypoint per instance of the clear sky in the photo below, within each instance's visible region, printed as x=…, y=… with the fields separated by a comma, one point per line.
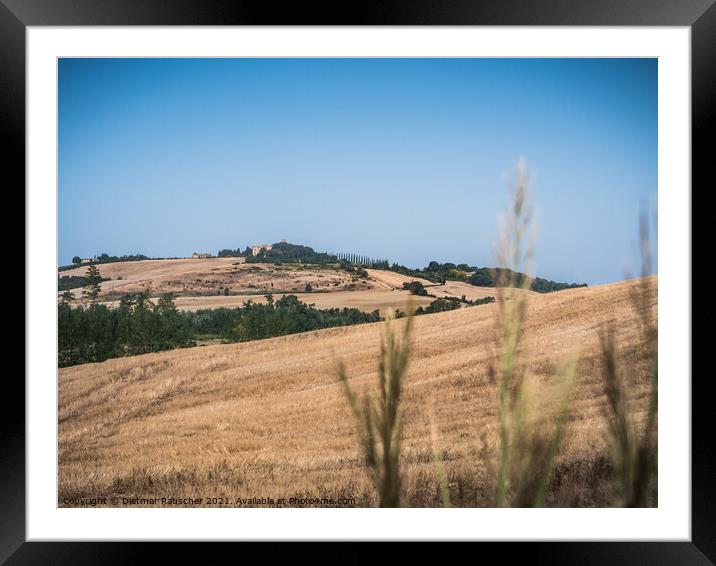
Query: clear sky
x=405, y=159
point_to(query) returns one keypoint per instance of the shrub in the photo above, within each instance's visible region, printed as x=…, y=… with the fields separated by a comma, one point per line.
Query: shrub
x=440, y=305
x=72, y=282
x=254, y=321
x=416, y=288
x=456, y=275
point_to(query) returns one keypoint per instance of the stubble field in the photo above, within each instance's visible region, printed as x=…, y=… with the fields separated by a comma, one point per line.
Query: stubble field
x=364, y=300
x=200, y=284
x=269, y=419
x=210, y=276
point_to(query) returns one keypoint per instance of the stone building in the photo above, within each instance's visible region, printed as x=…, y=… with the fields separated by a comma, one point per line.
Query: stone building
x=256, y=250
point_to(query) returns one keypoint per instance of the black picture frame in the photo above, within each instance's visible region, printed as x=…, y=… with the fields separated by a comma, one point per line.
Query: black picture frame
x=16, y=15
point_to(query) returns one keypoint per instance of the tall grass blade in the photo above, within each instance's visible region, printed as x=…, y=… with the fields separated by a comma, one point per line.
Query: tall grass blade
x=530, y=433
x=379, y=420
x=634, y=444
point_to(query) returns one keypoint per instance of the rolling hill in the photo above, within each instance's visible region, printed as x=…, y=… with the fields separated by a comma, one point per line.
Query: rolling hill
x=268, y=418
x=200, y=284
x=210, y=276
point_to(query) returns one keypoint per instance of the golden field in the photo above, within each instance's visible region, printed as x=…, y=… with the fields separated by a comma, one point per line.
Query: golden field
x=392, y=280
x=269, y=418
x=199, y=284
x=210, y=276
x=364, y=300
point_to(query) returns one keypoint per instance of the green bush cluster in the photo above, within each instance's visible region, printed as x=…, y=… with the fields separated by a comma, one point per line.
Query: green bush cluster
x=235, y=253
x=66, y=282
x=345, y=265
x=290, y=253
x=416, y=288
x=287, y=315
x=106, y=258
x=440, y=305
x=487, y=277
x=483, y=301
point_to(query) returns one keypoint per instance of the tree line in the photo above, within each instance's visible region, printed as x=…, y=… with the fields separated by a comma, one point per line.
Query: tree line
x=436, y=272
x=362, y=260
x=256, y=321
x=96, y=332
x=439, y=273
x=490, y=277
x=138, y=325
x=67, y=282
x=105, y=258
x=289, y=253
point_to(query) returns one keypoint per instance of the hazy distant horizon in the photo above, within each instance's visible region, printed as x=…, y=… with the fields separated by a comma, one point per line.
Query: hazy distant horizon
x=402, y=159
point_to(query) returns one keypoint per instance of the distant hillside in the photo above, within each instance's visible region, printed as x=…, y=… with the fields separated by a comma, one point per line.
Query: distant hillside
x=73, y=282
x=435, y=272
x=485, y=277
x=105, y=258
x=477, y=276
x=285, y=252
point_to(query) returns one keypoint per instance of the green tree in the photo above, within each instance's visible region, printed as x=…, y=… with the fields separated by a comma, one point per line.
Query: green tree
x=67, y=297
x=456, y=275
x=92, y=287
x=173, y=330
x=77, y=260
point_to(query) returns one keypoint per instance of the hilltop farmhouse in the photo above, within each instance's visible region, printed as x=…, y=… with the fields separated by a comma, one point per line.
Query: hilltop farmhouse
x=196, y=255
x=256, y=250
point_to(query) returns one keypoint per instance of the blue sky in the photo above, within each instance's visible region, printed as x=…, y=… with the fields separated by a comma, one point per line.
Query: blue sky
x=406, y=159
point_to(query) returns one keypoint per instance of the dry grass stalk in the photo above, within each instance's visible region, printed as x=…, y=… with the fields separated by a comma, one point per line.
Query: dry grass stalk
x=439, y=464
x=529, y=432
x=634, y=443
x=380, y=421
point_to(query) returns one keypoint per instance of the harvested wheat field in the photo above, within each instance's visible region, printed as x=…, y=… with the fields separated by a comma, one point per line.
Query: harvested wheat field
x=459, y=289
x=269, y=419
x=200, y=284
x=367, y=301
x=210, y=276
x=392, y=280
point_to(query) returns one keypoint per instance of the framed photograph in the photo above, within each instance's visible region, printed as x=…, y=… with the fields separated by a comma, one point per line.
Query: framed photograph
x=404, y=277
